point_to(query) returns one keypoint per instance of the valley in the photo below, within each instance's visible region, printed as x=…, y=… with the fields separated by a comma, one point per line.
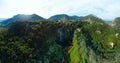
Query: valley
x=87, y=39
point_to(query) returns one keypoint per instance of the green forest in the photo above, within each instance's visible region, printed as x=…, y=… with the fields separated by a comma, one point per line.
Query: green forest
x=86, y=40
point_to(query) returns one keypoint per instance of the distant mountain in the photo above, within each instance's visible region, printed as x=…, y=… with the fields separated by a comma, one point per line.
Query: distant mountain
x=63, y=17
x=92, y=18
x=2, y=19
x=22, y=17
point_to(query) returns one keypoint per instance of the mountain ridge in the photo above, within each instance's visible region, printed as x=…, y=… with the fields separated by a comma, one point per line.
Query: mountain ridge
x=63, y=17
x=22, y=17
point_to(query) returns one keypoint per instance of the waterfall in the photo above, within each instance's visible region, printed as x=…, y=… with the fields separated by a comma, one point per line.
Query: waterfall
x=61, y=40
x=63, y=60
x=63, y=54
x=61, y=36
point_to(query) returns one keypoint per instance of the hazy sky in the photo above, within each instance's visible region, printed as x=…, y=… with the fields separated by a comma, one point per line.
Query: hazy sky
x=106, y=9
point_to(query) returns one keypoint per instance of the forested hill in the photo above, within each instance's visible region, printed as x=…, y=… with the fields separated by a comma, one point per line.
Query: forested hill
x=22, y=17
x=36, y=17
x=116, y=24
x=64, y=17
x=89, y=40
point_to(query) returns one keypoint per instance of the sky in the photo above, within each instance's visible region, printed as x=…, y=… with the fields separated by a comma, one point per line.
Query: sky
x=105, y=9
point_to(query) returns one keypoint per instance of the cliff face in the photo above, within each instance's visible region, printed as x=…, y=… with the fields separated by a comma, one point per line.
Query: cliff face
x=46, y=41
x=80, y=52
x=56, y=42
x=84, y=52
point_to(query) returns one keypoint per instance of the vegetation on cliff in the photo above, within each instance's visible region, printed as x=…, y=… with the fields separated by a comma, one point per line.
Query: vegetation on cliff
x=88, y=40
